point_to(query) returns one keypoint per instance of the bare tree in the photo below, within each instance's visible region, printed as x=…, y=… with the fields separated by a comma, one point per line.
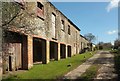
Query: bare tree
x=90, y=37
x=16, y=18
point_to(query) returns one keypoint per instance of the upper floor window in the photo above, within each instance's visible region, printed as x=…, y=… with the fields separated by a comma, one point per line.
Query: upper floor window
x=68, y=29
x=88, y=44
x=39, y=5
x=53, y=19
x=76, y=36
x=21, y=3
x=40, y=9
x=62, y=25
x=74, y=44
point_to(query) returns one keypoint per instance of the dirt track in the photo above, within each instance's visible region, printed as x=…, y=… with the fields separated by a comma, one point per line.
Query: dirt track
x=107, y=70
x=103, y=58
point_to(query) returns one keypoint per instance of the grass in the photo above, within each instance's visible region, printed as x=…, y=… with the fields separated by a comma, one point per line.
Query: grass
x=90, y=73
x=115, y=51
x=117, y=61
x=106, y=49
x=54, y=69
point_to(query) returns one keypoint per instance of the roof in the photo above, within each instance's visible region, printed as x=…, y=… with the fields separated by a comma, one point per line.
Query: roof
x=84, y=37
x=66, y=18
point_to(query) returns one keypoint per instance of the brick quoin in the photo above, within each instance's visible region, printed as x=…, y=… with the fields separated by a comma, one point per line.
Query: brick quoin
x=27, y=52
x=30, y=51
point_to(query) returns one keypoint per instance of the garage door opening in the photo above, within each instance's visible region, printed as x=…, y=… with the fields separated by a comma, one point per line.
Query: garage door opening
x=69, y=51
x=53, y=50
x=62, y=51
x=39, y=46
x=13, y=50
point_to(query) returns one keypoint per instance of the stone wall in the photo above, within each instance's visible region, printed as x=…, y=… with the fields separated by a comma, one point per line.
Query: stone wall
x=23, y=19
x=84, y=44
x=26, y=21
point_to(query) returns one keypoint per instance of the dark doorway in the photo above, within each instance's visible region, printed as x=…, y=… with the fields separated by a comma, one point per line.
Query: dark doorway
x=69, y=51
x=53, y=50
x=62, y=51
x=10, y=64
x=39, y=50
x=13, y=44
x=18, y=55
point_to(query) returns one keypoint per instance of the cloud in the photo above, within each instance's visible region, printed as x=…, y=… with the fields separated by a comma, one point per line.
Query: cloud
x=112, y=32
x=112, y=4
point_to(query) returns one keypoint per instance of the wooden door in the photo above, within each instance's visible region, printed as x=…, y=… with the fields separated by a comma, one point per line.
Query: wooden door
x=18, y=59
x=15, y=60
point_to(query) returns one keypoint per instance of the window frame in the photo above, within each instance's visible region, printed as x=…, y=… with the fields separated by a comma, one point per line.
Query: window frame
x=40, y=5
x=40, y=10
x=54, y=23
x=69, y=32
x=21, y=3
x=62, y=25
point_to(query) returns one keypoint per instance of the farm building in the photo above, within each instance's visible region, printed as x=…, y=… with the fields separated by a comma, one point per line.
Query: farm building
x=37, y=32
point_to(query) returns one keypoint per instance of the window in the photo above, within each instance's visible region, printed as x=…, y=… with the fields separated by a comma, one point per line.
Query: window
x=53, y=18
x=62, y=25
x=74, y=44
x=21, y=3
x=68, y=29
x=39, y=5
x=76, y=36
x=88, y=44
x=81, y=45
x=40, y=10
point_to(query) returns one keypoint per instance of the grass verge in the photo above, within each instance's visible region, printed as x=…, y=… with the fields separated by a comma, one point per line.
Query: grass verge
x=117, y=61
x=90, y=73
x=54, y=69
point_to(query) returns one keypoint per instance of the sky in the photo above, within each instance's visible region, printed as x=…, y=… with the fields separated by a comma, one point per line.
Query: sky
x=98, y=18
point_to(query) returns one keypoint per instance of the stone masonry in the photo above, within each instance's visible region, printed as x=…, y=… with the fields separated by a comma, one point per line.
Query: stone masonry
x=39, y=25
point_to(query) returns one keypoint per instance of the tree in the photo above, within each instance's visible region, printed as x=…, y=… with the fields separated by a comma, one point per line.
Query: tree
x=107, y=45
x=116, y=43
x=90, y=37
x=103, y=45
x=100, y=45
x=15, y=18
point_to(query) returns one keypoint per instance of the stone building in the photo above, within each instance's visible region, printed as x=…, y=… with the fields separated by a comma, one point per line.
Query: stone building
x=84, y=44
x=36, y=32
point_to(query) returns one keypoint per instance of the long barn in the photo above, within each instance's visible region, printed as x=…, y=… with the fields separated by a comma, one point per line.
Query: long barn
x=36, y=32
